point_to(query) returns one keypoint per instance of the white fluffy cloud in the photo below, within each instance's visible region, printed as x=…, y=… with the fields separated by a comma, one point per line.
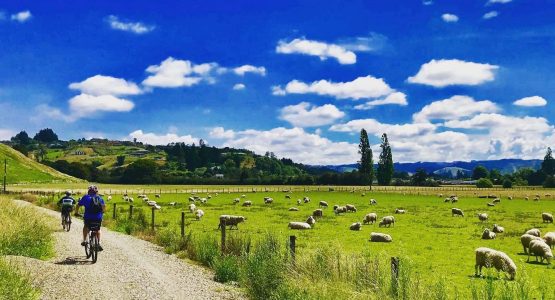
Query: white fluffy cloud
x=221, y=133
x=84, y=105
x=454, y=108
x=172, y=73
x=317, y=48
x=498, y=1
x=531, y=101
x=445, y=72
x=396, y=98
x=238, y=87
x=134, y=27
x=106, y=85
x=242, y=70
x=6, y=134
x=305, y=114
x=362, y=87
x=22, y=16
x=374, y=127
x=490, y=15
x=450, y=18
x=164, y=139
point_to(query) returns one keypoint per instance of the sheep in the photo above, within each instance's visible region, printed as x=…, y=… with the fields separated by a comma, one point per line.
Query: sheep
x=490, y=204
x=370, y=218
x=192, y=199
x=203, y=200
x=299, y=225
x=496, y=200
x=229, y=220
x=310, y=220
x=388, y=220
x=498, y=229
x=287, y=196
x=457, y=212
x=340, y=209
x=440, y=195
x=323, y=204
x=293, y=209
x=541, y=249
x=547, y=217
x=157, y=196
x=483, y=217
x=335, y=207
x=454, y=199
x=192, y=208
x=482, y=196
x=486, y=257
x=400, y=211
x=534, y=232
x=510, y=197
x=526, y=198
x=199, y=213
x=363, y=194
x=549, y=239
x=131, y=199
x=488, y=235
x=172, y=203
x=306, y=199
x=151, y=203
x=355, y=226
x=491, y=196
x=236, y=201
x=537, y=199
x=547, y=195
x=247, y=203
x=525, y=240
x=243, y=196
x=318, y=213
x=157, y=207
x=268, y=200
x=109, y=198
x=373, y=202
x=298, y=201
x=350, y=208
x=447, y=200
x=380, y=237
x=209, y=196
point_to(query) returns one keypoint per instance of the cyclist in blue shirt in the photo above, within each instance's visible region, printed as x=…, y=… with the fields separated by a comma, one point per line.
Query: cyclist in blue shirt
x=94, y=211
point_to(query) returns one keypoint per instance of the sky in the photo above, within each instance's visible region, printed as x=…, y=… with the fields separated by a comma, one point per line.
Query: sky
x=446, y=80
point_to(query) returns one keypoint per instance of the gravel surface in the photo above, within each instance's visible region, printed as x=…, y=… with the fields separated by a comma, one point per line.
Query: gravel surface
x=128, y=268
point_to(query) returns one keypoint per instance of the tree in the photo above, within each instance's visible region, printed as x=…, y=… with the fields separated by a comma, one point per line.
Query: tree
x=22, y=138
x=507, y=183
x=495, y=176
x=366, y=164
x=548, y=164
x=419, y=178
x=385, y=164
x=41, y=154
x=120, y=160
x=549, y=182
x=46, y=135
x=141, y=171
x=484, y=183
x=480, y=172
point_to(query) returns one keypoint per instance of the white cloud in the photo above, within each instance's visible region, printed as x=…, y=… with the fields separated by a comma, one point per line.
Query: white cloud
x=373, y=42
x=427, y=2
x=396, y=98
x=6, y=134
x=454, y=108
x=154, y=139
x=531, y=101
x=502, y=124
x=134, y=27
x=498, y=1
x=250, y=69
x=444, y=72
x=84, y=105
x=221, y=133
x=490, y=15
x=106, y=85
x=22, y=16
x=374, y=127
x=362, y=87
x=450, y=18
x=172, y=73
x=317, y=48
x=238, y=87
x=305, y=114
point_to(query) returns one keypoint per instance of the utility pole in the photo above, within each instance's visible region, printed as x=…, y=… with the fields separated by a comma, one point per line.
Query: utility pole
x=5, y=172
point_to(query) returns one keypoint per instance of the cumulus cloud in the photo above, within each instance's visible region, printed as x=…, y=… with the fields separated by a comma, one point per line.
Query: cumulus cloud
x=22, y=16
x=362, y=87
x=316, y=48
x=106, y=85
x=374, y=127
x=450, y=18
x=84, y=104
x=172, y=73
x=305, y=114
x=6, y=134
x=396, y=98
x=164, y=139
x=242, y=70
x=221, y=133
x=239, y=86
x=531, y=101
x=498, y=1
x=445, y=72
x=134, y=27
x=427, y=2
x=490, y=15
x=454, y=108
x=373, y=42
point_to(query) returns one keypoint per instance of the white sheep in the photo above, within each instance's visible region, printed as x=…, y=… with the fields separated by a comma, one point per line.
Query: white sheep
x=541, y=249
x=247, y=203
x=323, y=204
x=534, y=232
x=243, y=196
x=298, y=201
x=483, y=217
x=236, y=200
x=299, y=225
x=488, y=235
x=192, y=199
x=287, y=196
x=231, y=221
x=547, y=217
x=525, y=240
x=151, y=203
x=400, y=211
x=510, y=197
x=199, y=214
x=318, y=213
x=486, y=257
x=306, y=199
x=311, y=221
x=109, y=198
x=370, y=218
x=192, y=207
x=268, y=200
x=457, y=212
x=380, y=237
x=293, y=209
x=355, y=226
x=351, y=208
x=157, y=207
x=498, y=229
x=203, y=200
x=172, y=203
x=490, y=204
x=454, y=199
x=549, y=239
x=388, y=220
x=496, y=200
x=157, y=196
x=373, y=202
x=131, y=199
x=447, y=200
x=340, y=210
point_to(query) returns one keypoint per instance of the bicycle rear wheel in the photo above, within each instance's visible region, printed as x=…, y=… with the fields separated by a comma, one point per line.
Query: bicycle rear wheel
x=88, y=247
x=68, y=222
x=94, y=246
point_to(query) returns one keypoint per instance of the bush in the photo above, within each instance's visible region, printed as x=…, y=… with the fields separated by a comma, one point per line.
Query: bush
x=14, y=284
x=227, y=268
x=507, y=184
x=549, y=182
x=484, y=183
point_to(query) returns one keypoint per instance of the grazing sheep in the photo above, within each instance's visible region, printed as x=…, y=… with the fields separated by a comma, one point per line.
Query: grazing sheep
x=109, y=198
x=310, y=220
x=482, y=196
x=351, y=208
x=287, y=196
x=510, y=197
x=236, y=200
x=335, y=207
x=440, y=195
x=299, y=225
x=549, y=239
x=488, y=235
x=298, y=201
x=203, y=200
x=247, y=203
x=492, y=196
x=355, y=226
x=157, y=196
x=340, y=209
x=192, y=208
x=293, y=209
x=172, y=203
x=229, y=220
x=498, y=229
x=388, y=220
x=157, y=207
x=454, y=199
x=483, y=217
x=192, y=199
x=456, y=212
x=534, y=232
x=268, y=200
x=400, y=211
x=486, y=257
x=537, y=199
x=373, y=202
x=243, y=196
x=541, y=249
x=323, y=204
x=306, y=199
x=380, y=237
x=547, y=217
x=547, y=195
x=526, y=198
x=199, y=214
x=370, y=218
x=363, y=194
x=491, y=204
x=525, y=240
x=209, y=196
x=131, y=199
x=151, y=203
x=447, y=200
x=496, y=200
x=318, y=213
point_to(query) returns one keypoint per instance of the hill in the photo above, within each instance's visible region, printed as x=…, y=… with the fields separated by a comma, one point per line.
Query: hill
x=22, y=169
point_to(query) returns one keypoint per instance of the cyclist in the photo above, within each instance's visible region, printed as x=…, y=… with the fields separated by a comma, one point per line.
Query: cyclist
x=94, y=210
x=66, y=203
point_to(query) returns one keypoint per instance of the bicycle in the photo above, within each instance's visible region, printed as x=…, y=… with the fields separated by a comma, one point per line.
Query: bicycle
x=66, y=221
x=91, y=247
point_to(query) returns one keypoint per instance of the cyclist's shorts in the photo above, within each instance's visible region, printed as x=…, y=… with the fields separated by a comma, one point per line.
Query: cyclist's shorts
x=93, y=224
x=66, y=209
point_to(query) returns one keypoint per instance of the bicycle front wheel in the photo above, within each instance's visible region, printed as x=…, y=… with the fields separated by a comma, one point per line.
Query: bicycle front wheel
x=94, y=247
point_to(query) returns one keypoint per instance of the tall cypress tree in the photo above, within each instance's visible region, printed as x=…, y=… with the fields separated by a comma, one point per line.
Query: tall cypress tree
x=365, y=165
x=548, y=164
x=385, y=164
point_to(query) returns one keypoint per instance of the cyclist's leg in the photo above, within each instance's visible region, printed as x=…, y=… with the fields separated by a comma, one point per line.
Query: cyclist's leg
x=85, y=232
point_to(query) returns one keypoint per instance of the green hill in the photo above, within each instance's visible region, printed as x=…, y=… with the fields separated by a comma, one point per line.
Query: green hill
x=22, y=169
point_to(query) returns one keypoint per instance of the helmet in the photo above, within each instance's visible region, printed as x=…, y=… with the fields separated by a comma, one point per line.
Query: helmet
x=69, y=192
x=93, y=190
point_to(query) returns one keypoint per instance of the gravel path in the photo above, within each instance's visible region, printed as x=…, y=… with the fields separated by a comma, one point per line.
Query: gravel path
x=128, y=268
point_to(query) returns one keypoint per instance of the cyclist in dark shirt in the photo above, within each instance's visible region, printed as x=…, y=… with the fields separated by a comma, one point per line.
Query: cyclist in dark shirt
x=94, y=211
x=66, y=203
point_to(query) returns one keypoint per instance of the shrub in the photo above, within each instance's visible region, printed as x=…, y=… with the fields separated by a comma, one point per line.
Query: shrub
x=484, y=183
x=227, y=268
x=14, y=284
x=549, y=182
x=507, y=184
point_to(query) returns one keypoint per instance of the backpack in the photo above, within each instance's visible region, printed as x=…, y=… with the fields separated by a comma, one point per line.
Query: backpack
x=96, y=205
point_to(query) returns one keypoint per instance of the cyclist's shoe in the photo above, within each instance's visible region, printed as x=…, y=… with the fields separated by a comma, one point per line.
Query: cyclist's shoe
x=99, y=248
x=83, y=243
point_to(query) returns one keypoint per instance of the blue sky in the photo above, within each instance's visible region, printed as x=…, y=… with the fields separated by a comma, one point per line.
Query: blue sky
x=446, y=80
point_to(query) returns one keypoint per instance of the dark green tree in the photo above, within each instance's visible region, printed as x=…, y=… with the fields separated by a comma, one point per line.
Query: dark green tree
x=46, y=135
x=495, y=176
x=22, y=138
x=484, y=183
x=548, y=164
x=549, y=182
x=366, y=164
x=480, y=172
x=385, y=164
x=419, y=178
x=141, y=171
x=507, y=183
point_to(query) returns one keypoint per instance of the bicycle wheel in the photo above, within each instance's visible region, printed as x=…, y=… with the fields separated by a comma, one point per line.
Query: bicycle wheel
x=68, y=222
x=94, y=247
x=88, y=247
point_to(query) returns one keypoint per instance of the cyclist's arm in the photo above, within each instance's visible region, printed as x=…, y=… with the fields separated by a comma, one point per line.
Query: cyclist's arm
x=103, y=208
x=77, y=209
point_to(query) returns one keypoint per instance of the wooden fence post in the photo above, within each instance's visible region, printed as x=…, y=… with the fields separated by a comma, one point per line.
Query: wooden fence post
x=152, y=226
x=292, y=246
x=222, y=225
x=182, y=224
x=130, y=211
x=394, y=274
x=114, y=213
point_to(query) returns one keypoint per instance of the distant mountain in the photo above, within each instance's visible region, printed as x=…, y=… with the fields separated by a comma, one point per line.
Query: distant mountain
x=453, y=172
x=503, y=165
